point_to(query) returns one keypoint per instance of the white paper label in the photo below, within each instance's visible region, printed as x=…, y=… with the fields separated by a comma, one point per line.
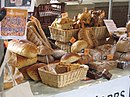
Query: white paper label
x=111, y=26
x=119, y=87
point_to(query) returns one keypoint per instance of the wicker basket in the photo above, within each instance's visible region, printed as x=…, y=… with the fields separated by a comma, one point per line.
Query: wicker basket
x=61, y=80
x=100, y=32
x=63, y=35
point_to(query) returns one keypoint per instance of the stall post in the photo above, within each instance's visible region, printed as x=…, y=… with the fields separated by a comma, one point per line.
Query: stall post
x=1, y=61
x=110, y=9
x=129, y=11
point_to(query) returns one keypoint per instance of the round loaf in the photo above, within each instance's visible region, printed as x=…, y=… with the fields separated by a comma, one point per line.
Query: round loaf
x=58, y=54
x=23, y=47
x=78, y=46
x=44, y=50
x=70, y=57
x=32, y=71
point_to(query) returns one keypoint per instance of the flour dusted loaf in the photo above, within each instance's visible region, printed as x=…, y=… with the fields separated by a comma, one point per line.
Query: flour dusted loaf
x=23, y=47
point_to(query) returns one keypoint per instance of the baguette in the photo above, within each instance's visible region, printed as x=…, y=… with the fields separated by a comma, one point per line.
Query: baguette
x=23, y=47
x=40, y=38
x=41, y=32
x=31, y=36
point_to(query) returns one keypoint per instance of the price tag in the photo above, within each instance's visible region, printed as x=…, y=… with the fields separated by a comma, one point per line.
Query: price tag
x=129, y=34
x=110, y=57
x=86, y=51
x=72, y=40
x=64, y=15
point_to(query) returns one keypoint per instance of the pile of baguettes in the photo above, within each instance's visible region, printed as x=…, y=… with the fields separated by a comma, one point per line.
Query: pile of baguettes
x=26, y=56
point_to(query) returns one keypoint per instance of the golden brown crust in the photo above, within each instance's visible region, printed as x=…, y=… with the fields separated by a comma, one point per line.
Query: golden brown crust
x=40, y=31
x=78, y=46
x=23, y=47
x=33, y=71
x=70, y=57
x=44, y=59
x=20, y=61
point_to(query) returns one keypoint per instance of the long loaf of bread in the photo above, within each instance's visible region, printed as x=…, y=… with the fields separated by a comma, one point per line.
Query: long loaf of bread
x=40, y=38
x=41, y=32
x=31, y=36
x=23, y=47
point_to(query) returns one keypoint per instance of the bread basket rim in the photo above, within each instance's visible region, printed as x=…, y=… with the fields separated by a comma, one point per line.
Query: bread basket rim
x=64, y=30
x=43, y=70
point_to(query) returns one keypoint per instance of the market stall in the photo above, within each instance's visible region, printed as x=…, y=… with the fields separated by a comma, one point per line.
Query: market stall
x=83, y=54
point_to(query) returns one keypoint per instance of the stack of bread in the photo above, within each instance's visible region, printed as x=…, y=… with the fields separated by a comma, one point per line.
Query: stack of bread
x=62, y=31
x=123, y=49
x=36, y=35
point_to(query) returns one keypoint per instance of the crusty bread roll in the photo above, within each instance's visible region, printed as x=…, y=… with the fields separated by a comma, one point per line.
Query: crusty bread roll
x=78, y=46
x=43, y=50
x=33, y=71
x=44, y=59
x=58, y=54
x=8, y=82
x=24, y=72
x=23, y=47
x=40, y=30
x=70, y=57
x=21, y=61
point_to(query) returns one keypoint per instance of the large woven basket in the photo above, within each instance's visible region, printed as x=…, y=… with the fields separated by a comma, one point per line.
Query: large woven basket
x=100, y=32
x=63, y=35
x=61, y=80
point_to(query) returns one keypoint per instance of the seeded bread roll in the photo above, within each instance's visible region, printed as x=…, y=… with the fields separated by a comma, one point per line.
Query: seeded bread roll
x=70, y=57
x=23, y=47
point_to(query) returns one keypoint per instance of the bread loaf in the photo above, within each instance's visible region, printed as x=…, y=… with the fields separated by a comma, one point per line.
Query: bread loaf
x=70, y=57
x=44, y=59
x=23, y=47
x=24, y=72
x=123, y=45
x=21, y=61
x=78, y=46
x=40, y=31
x=58, y=54
x=32, y=71
x=84, y=34
x=31, y=36
x=43, y=50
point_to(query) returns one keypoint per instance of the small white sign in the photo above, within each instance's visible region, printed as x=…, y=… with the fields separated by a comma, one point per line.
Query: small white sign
x=119, y=87
x=111, y=26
